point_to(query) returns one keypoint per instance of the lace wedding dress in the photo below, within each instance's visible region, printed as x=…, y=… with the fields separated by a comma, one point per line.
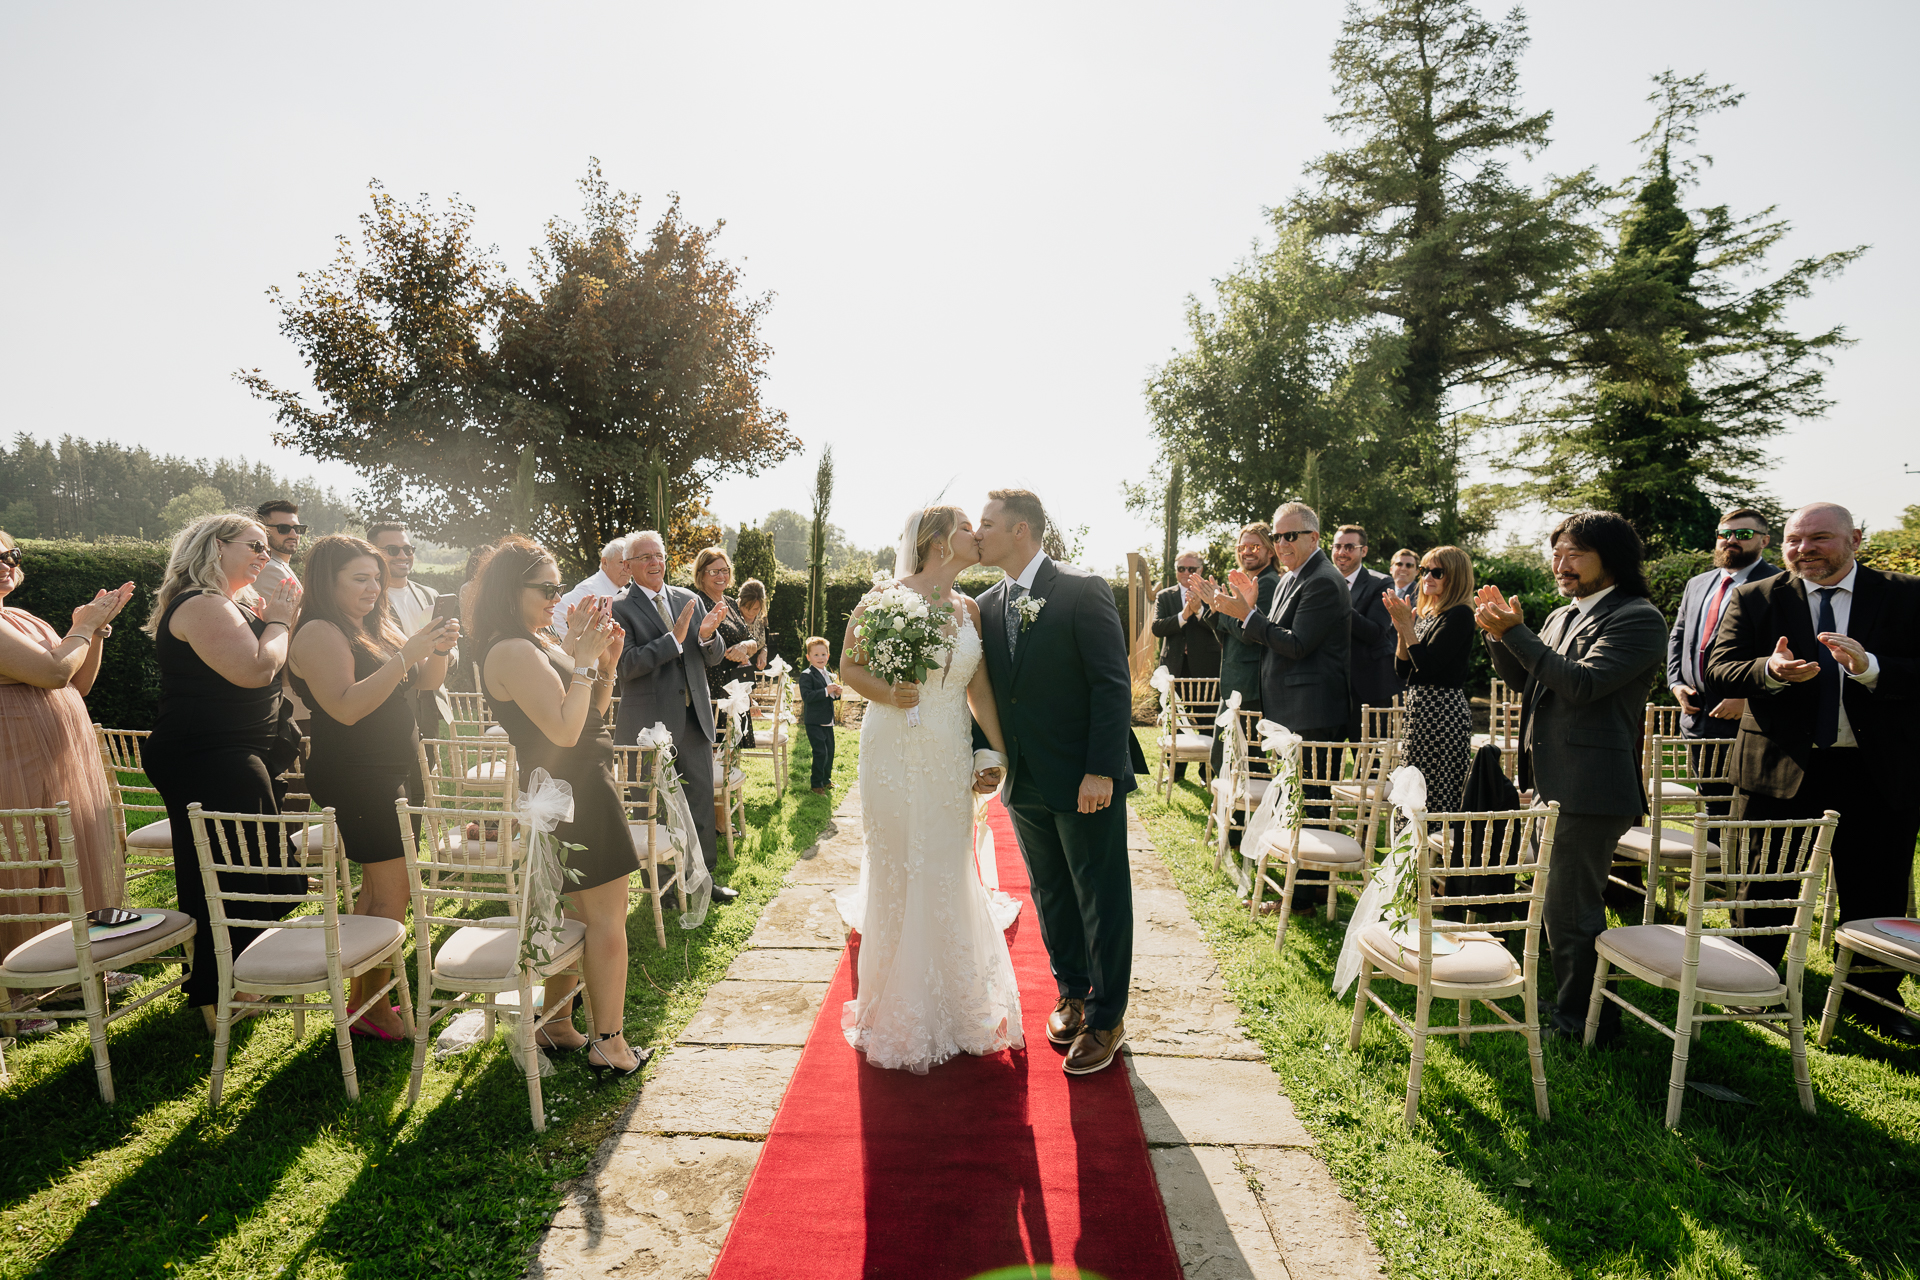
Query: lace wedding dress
x=935, y=978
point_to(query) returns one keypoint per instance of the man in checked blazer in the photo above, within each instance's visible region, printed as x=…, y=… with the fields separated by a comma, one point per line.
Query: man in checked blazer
x=1828, y=658
x=1584, y=682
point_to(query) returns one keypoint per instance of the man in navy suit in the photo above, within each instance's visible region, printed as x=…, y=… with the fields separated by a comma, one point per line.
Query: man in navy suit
x=1707, y=712
x=1372, y=638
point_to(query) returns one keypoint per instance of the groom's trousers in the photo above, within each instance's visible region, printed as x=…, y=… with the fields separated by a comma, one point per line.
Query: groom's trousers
x=1083, y=893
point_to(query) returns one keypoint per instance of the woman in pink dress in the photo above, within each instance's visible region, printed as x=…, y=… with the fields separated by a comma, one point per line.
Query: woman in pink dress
x=47, y=748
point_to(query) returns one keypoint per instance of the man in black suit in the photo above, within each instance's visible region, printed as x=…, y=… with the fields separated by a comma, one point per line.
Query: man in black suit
x=1406, y=574
x=1584, y=682
x=1828, y=658
x=1707, y=712
x=1189, y=648
x=671, y=641
x=1057, y=656
x=1374, y=639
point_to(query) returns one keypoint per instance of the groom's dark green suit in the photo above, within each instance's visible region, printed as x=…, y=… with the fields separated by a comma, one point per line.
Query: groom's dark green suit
x=1066, y=710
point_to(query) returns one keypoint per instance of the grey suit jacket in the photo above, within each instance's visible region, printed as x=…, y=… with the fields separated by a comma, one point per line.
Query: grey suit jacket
x=1304, y=677
x=1684, y=641
x=1584, y=701
x=656, y=675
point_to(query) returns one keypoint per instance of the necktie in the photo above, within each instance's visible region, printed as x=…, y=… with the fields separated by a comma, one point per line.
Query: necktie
x=666, y=619
x=1711, y=625
x=1826, y=722
x=1015, y=594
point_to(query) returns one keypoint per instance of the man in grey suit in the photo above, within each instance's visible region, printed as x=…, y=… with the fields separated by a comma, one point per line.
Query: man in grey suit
x=663, y=678
x=1584, y=682
x=1706, y=711
x=1304, y=677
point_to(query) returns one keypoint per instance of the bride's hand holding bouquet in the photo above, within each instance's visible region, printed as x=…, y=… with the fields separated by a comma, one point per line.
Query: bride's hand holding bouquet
x=899, y=636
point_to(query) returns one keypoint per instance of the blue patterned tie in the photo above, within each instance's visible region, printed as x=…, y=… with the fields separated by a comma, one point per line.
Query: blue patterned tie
x=1826, y=723
x=1015, y=594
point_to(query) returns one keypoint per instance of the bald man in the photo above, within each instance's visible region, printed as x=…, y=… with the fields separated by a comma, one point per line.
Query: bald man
x=1827, y=656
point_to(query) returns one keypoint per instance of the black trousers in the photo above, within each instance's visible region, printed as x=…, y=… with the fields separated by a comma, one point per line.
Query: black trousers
x=1872, y=852
x=820, y=738
x=1576, y=913
x=1083, y=894
x=694, y=758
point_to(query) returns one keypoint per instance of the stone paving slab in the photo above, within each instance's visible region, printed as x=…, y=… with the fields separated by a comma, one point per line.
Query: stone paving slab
x=835, y=859
x=1213, y=1102
x=1319, y=1233
x=1177, y=1005
x=785, y=964
x=1163, y=926
x=1147, y=871
x=650, y=1206
x=801, y=915
x=705, y=1089
x=1220, y=1229
x=756, y=1013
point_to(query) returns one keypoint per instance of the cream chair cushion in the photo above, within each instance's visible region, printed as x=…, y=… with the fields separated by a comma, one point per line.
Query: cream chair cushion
x=297, y=957
x=1316, y=845
x=492, y=771
x=1671, y=790
x=51, y=950
x=1188, y=746
x=719, y=773
x=1256, y=789
x=495, y=731
x=1479, y=959
x=1725, y=965
x=1675, y=845
x=155, y=835
x=479, y=954
x=1858, y=936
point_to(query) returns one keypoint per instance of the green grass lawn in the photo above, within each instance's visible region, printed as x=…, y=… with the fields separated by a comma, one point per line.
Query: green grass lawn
x=288, y=1178
x=1482, y=1188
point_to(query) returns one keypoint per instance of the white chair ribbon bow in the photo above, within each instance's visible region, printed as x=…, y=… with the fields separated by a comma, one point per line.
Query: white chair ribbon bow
x=1278, y=806
x=1407, y=789
x=544, y=805
x=1228, y=712
x=696, y=886
x=777, y=667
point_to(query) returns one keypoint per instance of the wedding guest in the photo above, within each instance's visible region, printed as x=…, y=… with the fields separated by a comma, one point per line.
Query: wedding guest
x=223, y=735
x=712, y=574
x=48, y=749
x=1190, y=649
x=1738, y=541
x=818, y=692
x=1240, y=658
x=753, y=607
x=281, y=521
x=358, y=672
x=610, y=579
x=551, y=696
x=412, y=606
x=1372, y=674
x=1405, y=570
x=1434, y=655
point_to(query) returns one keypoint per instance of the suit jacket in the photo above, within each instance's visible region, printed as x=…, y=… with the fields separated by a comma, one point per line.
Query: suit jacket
x=1374, y=641
x=1683, y=643
x=1584, y=690
x=1407, y=592
x=1776, y=733
x=1305, y=680
x=656, y=678
x=816, y=704
x=432, y=706
x=1192, y=650
x=1239, y=660
x=1064, y=693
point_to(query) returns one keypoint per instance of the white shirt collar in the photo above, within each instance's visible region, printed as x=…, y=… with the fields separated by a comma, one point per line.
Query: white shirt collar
x=1026, y=576
x=1741, y=574
x=1585, y=603
x=1356, y=573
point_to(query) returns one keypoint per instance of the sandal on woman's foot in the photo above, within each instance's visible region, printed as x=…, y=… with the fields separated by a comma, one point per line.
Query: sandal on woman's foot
x=374, y=1031
x=543, y=1043
x=601, y=1063
x=34, y=1026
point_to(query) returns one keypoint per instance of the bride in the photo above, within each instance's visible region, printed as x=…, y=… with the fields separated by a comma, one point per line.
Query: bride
x=935, y=978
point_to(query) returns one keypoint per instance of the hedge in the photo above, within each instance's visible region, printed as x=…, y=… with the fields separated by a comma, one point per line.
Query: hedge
x=61, y=576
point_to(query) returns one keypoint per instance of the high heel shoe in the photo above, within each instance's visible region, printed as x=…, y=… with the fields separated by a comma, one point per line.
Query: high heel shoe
x=639, y=1059
x=541, y=1043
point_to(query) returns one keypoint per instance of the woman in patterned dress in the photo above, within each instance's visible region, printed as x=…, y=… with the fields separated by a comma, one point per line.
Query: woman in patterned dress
x=1433, y=660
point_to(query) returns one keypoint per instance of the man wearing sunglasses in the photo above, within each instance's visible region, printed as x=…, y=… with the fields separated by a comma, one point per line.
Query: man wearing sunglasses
x=412, y=603
x=1189, y=649
x=1706, y=712
x=281, y=519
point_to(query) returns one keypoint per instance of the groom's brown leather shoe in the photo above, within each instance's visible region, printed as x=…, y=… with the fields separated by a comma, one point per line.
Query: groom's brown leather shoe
x=1063, y=1024
x=1094, y=1050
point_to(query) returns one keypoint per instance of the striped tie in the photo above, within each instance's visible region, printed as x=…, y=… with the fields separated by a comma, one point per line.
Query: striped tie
x=1015, y=594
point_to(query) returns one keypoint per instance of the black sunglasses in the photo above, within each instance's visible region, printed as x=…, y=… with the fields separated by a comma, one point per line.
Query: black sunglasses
x=1186, y=568
x=403, y=551
x=1737, y=535
x=1433, y=570
x=286, y=528
x=11, y=556
x=258, y=548
x=1291, y=534
x=551, y=590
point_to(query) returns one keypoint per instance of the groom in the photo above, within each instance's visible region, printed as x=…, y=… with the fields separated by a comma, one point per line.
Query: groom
x=1058, y=660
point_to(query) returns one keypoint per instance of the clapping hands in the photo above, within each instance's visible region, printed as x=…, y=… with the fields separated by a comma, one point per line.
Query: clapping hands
x=1495, y=613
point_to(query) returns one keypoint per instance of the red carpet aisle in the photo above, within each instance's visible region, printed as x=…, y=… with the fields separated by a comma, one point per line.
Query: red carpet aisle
x=981, y=1163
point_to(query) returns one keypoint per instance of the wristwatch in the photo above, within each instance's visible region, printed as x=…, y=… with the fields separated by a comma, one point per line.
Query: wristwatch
x=583, y=671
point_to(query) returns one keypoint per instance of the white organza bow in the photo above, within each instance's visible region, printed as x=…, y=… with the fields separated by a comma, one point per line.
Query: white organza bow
x=1229, y=712
x=1282, y=746
x=777, y=667
x=696, y=886
x=544, y=805
x=1407, y=789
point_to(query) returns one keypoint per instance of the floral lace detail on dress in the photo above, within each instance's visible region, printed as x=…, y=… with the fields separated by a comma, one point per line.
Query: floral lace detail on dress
x=935, y=978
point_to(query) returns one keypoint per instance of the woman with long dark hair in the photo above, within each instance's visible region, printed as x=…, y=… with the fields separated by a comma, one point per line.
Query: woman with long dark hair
x=552, y=697
x=355, y=669
x=1433, y=661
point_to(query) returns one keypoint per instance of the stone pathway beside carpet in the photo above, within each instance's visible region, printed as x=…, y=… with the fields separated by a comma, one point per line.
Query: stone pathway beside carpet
x=1245, y=1194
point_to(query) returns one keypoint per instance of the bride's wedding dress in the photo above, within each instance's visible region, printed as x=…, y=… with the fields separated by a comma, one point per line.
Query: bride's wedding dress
x=935, y=978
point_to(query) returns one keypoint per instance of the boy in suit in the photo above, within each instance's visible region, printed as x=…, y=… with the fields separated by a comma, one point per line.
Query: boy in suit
x=818, y=693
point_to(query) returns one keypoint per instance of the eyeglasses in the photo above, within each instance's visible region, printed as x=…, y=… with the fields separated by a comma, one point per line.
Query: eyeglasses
x=1737, y=535
x=284, y=529
x=1291, y=534
x=10, y=557
x=1433, y=571
x=400, y=551
x=1405, y=564
x=551, y=590
x=1186, y=568
x=649, y=557
x=258, y=548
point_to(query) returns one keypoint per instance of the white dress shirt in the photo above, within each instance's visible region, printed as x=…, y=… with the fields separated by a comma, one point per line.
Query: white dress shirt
x=408, y=609
x=1024, y=580
x=1735, y=579
x=598, y=585
x=1842, y=601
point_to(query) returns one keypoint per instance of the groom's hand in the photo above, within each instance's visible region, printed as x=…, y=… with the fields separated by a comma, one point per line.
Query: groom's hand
x=987, y=781
x=1096, y=793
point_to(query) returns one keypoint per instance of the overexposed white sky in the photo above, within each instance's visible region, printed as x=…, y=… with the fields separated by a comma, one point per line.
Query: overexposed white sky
x=980, y=222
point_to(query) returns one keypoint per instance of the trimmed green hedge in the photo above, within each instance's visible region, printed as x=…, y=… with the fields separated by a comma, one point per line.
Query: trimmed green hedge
x=61, y=576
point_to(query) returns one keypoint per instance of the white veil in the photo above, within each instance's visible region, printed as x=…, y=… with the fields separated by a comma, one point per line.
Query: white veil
x=903, y=550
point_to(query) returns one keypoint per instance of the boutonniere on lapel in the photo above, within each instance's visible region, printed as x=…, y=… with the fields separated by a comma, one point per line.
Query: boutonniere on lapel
x=1028, y=607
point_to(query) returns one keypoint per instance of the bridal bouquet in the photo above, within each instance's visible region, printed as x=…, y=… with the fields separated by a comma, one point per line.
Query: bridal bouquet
x=900, y=636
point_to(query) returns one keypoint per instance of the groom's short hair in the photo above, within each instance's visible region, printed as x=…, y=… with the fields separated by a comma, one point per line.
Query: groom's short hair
x=1022, y=504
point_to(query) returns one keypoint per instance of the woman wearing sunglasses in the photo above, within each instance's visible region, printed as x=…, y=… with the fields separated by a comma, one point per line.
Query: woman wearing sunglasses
x=223, y=736
x=47, y=744
x=1433, y=660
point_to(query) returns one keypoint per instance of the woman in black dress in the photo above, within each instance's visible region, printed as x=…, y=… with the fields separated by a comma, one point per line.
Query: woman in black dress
x=355, y=670
x=712, y=575
x=223, y=736
x=1433, y=660
x=552, y=700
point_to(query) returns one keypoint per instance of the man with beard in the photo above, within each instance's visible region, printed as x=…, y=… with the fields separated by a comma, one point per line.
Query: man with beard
x=1706, y=712
x=1827, y=657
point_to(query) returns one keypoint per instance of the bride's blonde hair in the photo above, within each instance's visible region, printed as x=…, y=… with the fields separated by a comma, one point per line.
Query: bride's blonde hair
x=936, y=524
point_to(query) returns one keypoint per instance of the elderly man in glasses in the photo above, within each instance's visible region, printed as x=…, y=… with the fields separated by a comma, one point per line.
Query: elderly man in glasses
x=413, y=604
x=1190, y=650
